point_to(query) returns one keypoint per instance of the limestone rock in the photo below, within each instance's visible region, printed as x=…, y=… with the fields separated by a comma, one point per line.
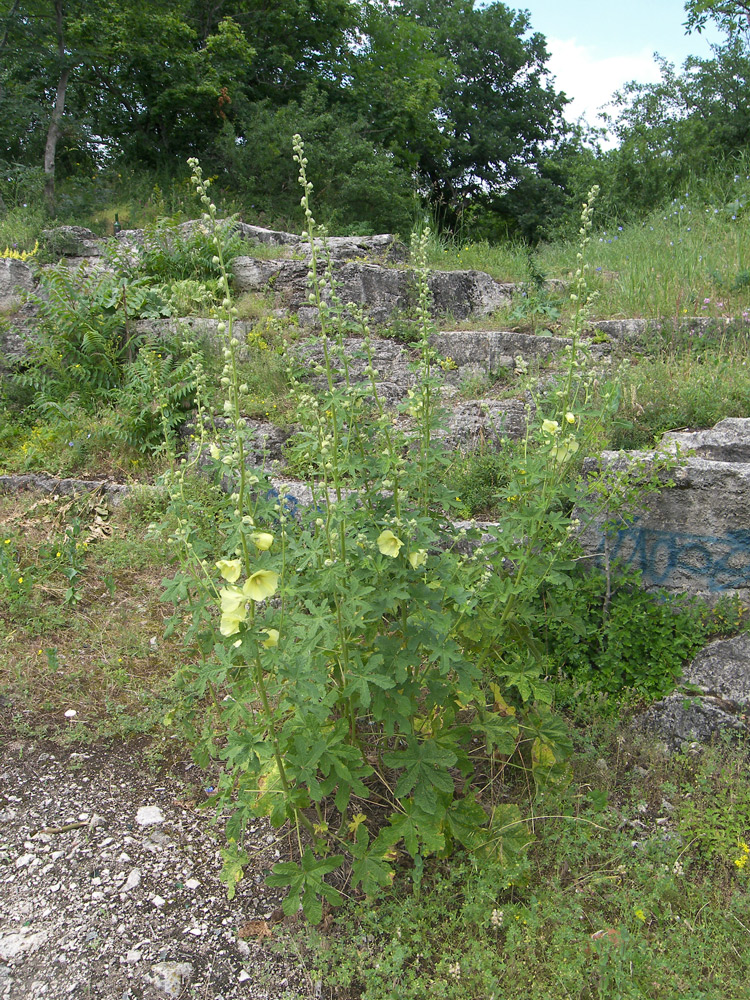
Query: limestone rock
x=468, y=293
x=722, y=670
x=15, y=276
x=383, y=248
x=267, y=237
x=679, y=719
x=390, y=360
x=494, y=349
x=64, y=487
x=170, y=977
x=263, y=444
x=640, y=330
x=485, y=422
x=715, y=696
x=728, y=441
x=381, y=291
x=14, y=944
x=72, y=241
x=692, y=538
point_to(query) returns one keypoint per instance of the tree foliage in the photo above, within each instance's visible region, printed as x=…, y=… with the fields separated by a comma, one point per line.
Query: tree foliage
x=426, y=97
x=671, y=130
x=731, y=15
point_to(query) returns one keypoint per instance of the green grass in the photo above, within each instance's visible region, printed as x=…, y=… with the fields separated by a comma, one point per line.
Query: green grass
x=20, y=228
x=687, y=259
x=79, y=605
x=685, y=387
x=618, y=897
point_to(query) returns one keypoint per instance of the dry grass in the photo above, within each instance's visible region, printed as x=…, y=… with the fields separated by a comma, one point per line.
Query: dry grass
x=101, y=654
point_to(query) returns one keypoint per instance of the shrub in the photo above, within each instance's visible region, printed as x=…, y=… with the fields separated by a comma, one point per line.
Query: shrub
x=371, y=667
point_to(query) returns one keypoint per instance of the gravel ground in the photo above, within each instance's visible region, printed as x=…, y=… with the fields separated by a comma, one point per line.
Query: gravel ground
x=109, y=885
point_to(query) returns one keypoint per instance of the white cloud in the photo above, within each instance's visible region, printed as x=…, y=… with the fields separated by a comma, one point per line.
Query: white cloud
x=590, y=79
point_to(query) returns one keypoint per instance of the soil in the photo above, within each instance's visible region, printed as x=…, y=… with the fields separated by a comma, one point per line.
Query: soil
x=110, y=888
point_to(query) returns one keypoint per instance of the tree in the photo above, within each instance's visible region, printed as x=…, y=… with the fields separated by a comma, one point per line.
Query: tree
x=498, y=106
x=731, y=15
x=671, y=130
x=113, y=77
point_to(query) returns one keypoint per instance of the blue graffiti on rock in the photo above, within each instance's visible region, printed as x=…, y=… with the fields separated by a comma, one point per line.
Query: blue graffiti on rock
x=672, y=558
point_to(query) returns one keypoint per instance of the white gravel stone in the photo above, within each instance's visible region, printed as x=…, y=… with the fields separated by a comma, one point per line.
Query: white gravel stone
x=17, y=943
x=170, y=977
x=133, y=880
x=149, y=816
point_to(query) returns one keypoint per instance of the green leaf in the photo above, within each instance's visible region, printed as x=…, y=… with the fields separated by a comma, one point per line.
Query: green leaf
x=421, y=832
x=233, y=868
x=425, y=765
x=306, y=884
x=507, y=837
x=369, y=869
x=500, y=732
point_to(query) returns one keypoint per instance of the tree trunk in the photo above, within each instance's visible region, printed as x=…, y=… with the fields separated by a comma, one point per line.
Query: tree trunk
x=53, y=133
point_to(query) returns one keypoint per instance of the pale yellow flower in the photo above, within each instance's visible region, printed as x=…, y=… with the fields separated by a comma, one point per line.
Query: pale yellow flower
x=562, y=452
x=262, y=540
x=261, y=585
x=417, y=558
x=550, y=427
x=230, y=569
x=215, y=453
x=233, y=609
x=273, y=638
x=570, y=417
x=389, y=544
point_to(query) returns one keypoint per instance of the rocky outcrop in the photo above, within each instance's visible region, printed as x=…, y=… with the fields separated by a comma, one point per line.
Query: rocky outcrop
x=692, y=537
x=392, y=363
x=263, y=442
x=494, y=349
x=727, y=441
x=383, y=248
x=72, y=241
x=642, y=330
x=486, y=423
x=62, y=487
x=380, y=291
x=16, y=278
x=713, y=697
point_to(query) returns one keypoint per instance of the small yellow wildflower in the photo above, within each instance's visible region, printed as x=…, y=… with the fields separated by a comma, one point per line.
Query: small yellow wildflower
x=230, y=569
x=273, y=638
x=640, y=915
x=389, y=544
x=357, y=821
x=417, y=558
x=741, y=861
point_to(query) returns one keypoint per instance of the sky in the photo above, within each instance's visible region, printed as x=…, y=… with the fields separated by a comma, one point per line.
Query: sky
x=596, y=46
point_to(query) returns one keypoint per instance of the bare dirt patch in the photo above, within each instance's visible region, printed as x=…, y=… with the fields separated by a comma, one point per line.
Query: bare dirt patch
x=110, y=888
